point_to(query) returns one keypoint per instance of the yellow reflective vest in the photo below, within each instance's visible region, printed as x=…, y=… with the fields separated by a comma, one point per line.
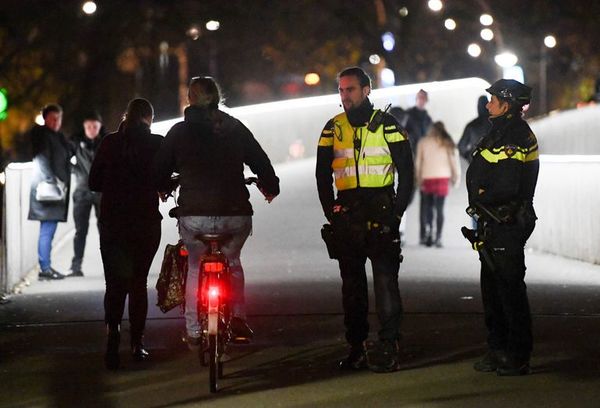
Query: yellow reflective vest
x=361, y=158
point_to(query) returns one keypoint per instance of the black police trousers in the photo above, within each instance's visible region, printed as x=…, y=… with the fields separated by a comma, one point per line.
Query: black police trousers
x=83, y=201
x=127, y=252
x=369, y=232
x=504, y=293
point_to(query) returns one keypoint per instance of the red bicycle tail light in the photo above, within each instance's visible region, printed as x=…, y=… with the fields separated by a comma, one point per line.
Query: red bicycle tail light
x=213, y=292
x=214, y=267
x=183, y=251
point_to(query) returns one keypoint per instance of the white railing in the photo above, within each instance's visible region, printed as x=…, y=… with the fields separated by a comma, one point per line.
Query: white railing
x=567, y=199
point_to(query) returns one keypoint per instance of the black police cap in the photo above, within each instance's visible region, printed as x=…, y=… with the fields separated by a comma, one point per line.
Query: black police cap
x=511, y=90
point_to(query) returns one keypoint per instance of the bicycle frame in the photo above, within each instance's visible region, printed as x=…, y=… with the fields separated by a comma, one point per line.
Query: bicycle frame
x=212, y=298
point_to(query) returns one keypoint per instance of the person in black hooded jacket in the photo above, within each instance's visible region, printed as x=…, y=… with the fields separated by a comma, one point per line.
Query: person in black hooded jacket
x=475, y=130
x=129, y=223
x=208, y=150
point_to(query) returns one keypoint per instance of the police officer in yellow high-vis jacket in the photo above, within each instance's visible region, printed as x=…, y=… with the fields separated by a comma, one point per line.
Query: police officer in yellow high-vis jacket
x=362, y=149
x=501, y=181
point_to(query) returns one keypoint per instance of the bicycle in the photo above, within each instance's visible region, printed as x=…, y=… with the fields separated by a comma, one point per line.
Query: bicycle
x=212, y=302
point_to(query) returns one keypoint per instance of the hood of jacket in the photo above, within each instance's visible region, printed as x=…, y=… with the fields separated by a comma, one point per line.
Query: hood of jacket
x=481, y=106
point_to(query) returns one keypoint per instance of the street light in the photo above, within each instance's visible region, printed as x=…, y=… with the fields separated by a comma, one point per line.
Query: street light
x=487, y=34
x=474, y=50
x=506, y=59
x=450, y=24
x=486, y=20
x=549, y=42
x=212, y=25
x=374, y=59
x=435, y=5
x=89, y=7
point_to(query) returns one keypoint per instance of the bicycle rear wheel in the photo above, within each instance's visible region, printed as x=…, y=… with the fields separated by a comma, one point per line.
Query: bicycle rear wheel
x=213, y=361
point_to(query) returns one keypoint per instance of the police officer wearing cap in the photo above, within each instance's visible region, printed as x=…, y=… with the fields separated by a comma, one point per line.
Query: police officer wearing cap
x=501, y=181
x=362, y=149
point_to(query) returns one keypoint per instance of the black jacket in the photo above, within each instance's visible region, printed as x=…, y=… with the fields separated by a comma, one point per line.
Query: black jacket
x=417, y=125
x=122, y=171
x=51, y=159
x=505, y=164
x=475, y=130
x=85, y=151
x=208, y=150
x=401, y=157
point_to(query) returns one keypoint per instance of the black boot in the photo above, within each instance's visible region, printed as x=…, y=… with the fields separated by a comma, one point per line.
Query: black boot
x=384, y=357
x=138, y=351
x=489, y=362
x=356, y=360
x=513, y=365
x=111, y=358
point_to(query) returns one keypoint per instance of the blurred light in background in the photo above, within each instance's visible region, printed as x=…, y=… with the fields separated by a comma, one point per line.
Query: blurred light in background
x=474, y=50
x=387, y=77
x=39, y=119
x=374, y=59
x=487, y=34
x=193, y=32
x=506, y=59
x=89, y=7
x=403, y=12
x=550, y=41
x=312, y=78
x=213, y=25
x=514, y=72
x=435, y=5
x=388, y=41
x=486, y=19
x=450, y=24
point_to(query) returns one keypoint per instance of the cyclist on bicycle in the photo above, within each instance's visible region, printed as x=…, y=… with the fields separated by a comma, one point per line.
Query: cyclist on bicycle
x=209, y=149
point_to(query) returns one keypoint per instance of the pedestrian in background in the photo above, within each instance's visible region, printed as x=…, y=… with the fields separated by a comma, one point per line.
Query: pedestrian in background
x=129, y=223
x=419, y=121
x=436, y=165
x=360, y=152
x=51, y=171
x=417, y=126
x=86, y=144
x=475, y=130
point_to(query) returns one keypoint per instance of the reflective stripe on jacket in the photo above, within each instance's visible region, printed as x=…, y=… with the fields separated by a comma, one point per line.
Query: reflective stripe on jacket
x=369, y=165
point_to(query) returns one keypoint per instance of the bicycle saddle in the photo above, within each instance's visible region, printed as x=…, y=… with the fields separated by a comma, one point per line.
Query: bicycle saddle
x=207, y=238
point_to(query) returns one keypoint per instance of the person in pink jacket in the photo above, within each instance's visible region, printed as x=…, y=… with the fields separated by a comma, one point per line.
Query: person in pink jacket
x=436, y=165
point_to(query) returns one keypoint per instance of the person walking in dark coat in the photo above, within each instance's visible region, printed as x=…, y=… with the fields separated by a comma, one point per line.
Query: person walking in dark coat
x=129, y=223
x=85, y=144
x=475, y=130
x=51, y=154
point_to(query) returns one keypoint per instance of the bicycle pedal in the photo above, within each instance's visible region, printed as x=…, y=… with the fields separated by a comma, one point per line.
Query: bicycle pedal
x=240, y=340
x=225, y=358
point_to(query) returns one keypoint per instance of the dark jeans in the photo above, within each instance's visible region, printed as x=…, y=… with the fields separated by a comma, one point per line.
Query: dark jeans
x=504, y=293
x=127, y=253
x=358, y=241
x=432, y=206
x=355, y=297
x=83, y=202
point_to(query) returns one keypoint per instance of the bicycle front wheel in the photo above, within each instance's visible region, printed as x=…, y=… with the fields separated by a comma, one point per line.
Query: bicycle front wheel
x=213, y=361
